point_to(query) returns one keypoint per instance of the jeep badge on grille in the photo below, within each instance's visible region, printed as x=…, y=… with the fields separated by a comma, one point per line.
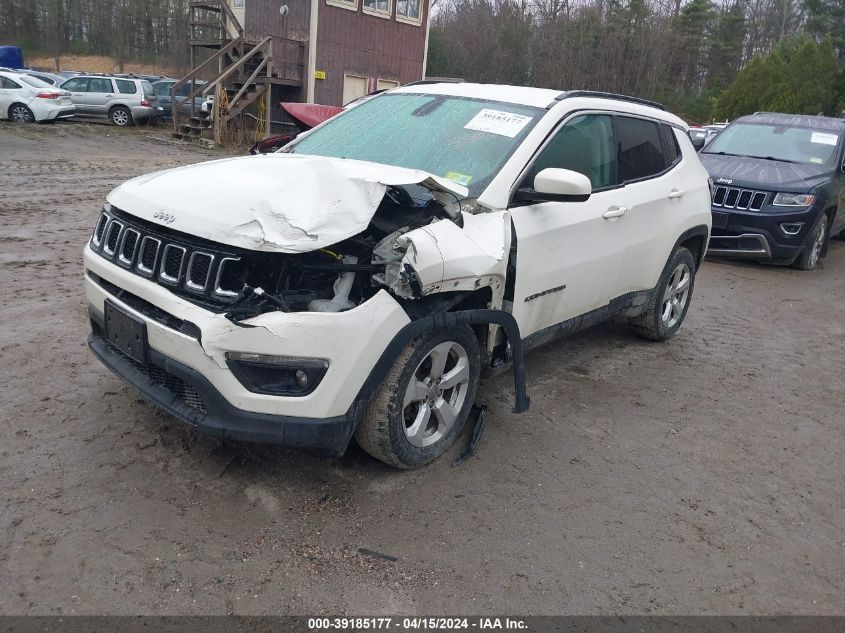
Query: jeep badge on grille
x=165, y=217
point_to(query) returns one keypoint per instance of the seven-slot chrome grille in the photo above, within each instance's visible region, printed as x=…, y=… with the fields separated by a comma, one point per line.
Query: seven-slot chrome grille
x=201, y=272
x=736, y=198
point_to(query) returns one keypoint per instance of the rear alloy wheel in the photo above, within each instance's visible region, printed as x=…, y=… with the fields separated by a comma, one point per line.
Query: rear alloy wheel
x=664, y=314
x=19, y=113
x=424, y=401
x=121, y=117
x=810, y=256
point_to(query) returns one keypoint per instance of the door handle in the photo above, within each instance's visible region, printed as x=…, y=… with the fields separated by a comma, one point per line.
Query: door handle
x=676, y=194
x=109, y=96
x=614, y=213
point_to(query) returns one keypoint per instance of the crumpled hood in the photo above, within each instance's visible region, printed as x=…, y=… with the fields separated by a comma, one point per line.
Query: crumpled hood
x=759, y=173
x=287, y=203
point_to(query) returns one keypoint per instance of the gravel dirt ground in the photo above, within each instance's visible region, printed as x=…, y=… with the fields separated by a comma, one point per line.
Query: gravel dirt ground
x=702, y=475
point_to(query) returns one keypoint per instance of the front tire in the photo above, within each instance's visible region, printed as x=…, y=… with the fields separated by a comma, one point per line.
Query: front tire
x=812, y=253
x=424, y=401
x=120, y=116
x=19, y=113
x=664, y=314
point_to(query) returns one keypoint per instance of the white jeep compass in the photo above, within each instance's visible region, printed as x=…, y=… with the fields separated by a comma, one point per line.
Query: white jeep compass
x=358, y=282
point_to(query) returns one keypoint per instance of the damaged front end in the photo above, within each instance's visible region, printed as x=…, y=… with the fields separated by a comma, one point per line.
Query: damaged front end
x=323, y=243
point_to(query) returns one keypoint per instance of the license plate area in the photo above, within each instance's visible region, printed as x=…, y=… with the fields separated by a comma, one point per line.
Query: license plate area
x=126, y=332
x=720, y=220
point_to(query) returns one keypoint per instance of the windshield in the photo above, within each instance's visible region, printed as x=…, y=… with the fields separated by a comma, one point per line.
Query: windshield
x=464, y=140
x=35, y=81
x=777, y=142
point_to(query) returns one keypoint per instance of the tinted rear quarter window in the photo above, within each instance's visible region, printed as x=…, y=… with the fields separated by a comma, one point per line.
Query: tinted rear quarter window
x=670, y=145
x=126, y=87
x=640, y=148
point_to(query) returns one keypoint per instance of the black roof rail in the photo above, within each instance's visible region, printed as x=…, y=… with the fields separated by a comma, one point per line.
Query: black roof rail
x=608, y=95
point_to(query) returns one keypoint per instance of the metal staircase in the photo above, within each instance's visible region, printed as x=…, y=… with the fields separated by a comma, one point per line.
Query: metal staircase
x=236, y=74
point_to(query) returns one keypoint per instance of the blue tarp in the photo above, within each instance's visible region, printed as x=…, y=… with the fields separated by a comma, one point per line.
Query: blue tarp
x=11, y=57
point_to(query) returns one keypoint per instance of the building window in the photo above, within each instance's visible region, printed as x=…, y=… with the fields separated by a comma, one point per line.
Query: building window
x=352, y=5
x=381, y=8
x=408, y=11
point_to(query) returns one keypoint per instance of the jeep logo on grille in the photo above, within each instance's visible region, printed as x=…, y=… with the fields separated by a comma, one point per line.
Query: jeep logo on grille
x=165, y=217
x=724, y=181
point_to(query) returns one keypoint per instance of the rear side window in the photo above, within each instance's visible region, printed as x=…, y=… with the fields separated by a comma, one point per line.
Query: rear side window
x=147, y=87
x=8, y=83
x=640, y=148
x=670, y=145
x=99, y=84
x=124, y=86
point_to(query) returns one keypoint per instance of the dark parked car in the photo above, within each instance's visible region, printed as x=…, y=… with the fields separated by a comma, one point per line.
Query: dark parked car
x=779, y=187
x=165, y=99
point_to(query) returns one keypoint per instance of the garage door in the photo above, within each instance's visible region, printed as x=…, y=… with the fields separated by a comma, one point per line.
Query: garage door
x=354, y=86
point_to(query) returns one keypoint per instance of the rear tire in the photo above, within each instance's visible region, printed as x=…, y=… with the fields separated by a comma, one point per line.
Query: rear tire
x=424, y=401
x=19, y=113
x=120, y=116
x=664, y=314
x=816, y=242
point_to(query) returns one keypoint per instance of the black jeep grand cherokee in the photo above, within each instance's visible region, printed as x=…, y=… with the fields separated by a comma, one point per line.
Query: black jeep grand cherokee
x=779, y=187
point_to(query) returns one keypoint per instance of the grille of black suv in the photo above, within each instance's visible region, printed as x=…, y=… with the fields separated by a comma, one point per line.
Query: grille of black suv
x=200, y=271
x=735, y=198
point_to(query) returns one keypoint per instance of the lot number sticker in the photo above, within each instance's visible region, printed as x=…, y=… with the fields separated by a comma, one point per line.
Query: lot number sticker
x=824, y=139
x=498, y=122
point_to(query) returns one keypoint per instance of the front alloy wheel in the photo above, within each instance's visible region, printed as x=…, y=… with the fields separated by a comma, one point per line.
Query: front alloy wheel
x=436, y=394
x=424, y=400
x=810, y=256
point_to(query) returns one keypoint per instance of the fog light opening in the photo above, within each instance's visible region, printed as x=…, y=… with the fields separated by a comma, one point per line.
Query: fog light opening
x=277, y=375
x=791, y=228
x=301, y=378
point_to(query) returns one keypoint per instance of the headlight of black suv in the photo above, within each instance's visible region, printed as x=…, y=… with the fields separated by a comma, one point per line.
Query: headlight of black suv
x=277, y=375
x=793, y=199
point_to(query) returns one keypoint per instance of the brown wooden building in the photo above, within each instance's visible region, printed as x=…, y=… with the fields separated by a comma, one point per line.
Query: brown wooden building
x=316, y=51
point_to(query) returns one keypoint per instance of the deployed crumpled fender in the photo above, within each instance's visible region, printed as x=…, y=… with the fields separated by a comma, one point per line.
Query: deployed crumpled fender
x=445, y=257
x=285, y=203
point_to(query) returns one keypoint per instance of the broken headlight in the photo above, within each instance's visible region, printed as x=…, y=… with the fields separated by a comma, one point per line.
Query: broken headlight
x=277, y=375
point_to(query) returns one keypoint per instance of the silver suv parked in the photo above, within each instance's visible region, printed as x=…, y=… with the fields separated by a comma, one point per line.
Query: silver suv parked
x=121, y=99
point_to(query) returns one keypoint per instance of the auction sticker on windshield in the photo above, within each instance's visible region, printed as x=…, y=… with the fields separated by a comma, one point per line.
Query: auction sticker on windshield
x=824, y=139
x=498, y=122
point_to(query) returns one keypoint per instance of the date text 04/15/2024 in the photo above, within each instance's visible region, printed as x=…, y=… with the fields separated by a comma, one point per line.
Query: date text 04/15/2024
x=416, y=623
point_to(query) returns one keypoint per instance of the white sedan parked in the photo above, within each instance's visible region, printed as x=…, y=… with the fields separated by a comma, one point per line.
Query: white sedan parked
x=24, y=99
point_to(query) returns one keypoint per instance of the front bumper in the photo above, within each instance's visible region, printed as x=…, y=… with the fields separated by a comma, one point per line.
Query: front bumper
x=760, y=235
x=352, y=342
x=187, y=395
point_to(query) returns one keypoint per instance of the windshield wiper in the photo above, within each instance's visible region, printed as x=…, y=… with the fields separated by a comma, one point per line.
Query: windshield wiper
x=780, y=160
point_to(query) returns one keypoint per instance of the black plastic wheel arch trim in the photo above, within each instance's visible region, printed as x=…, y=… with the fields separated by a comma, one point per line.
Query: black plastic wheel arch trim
x=697, y=231
x=445, y=321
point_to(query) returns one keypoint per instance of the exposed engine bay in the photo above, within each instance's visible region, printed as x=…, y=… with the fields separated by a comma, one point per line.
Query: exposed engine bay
x=348, y=273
